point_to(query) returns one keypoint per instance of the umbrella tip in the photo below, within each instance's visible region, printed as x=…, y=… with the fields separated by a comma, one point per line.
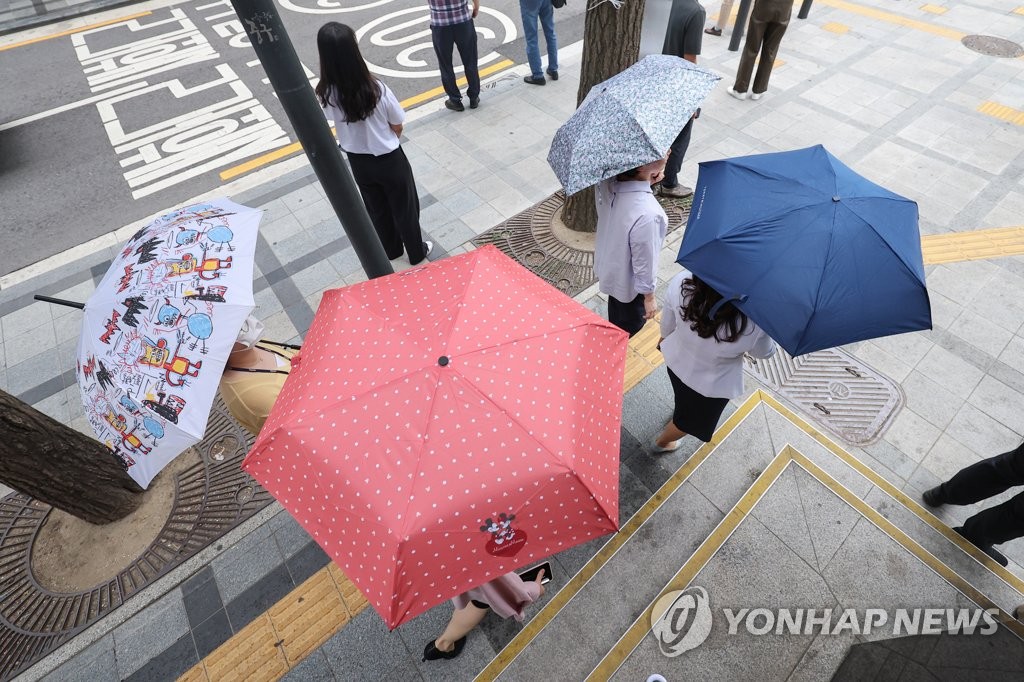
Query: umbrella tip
x=443, y=360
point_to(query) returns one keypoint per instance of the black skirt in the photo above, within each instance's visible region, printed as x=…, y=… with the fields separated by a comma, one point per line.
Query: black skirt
x=694, y=413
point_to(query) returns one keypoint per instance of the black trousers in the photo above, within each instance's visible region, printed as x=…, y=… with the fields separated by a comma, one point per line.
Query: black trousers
x=980, y=481
x=463, y=37
x=675, y=159
x=389, y=192
x=629, y=317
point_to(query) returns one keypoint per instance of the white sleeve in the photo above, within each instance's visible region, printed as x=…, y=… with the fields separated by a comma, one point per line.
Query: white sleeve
x=393, y=111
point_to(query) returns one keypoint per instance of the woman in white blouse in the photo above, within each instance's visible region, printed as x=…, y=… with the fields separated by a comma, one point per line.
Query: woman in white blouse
x=703, y=341
x=368, y=120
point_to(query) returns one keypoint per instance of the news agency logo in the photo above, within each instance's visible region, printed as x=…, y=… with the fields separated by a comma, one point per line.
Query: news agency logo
x=681, y=620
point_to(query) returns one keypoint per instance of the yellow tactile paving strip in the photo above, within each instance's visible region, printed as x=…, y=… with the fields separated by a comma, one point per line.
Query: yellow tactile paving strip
x=279, y=639
x=835, y=27
x=893, y=18
x=934, y=9
x=1002, y=112
x=975, y=245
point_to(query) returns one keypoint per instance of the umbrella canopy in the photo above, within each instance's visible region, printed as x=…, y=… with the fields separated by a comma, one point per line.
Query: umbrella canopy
x=446, y=425
x=628, y=120
x=159, y=327
x=815, y=254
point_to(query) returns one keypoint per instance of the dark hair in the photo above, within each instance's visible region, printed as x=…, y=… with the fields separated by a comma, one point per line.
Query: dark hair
x=729, y=322
x=344, y=77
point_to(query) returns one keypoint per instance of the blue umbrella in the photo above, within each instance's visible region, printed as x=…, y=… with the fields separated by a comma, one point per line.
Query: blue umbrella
x=812, y=252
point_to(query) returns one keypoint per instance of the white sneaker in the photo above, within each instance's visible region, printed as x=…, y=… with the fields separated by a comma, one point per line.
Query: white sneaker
x=671, y=447
x=428, y=246
x=737, y=95
x=756, y=95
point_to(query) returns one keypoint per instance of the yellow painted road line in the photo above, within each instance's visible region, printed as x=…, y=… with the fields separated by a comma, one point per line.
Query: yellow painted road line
x=296, y=147
x=74, y=30
x=635, y=634
x=934, y=9
x=1002, y=112
x=975, y=245
x=893, y=18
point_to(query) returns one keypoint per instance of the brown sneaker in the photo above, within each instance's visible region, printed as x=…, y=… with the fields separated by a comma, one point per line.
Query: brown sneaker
x=677, y=191
x=713, y=31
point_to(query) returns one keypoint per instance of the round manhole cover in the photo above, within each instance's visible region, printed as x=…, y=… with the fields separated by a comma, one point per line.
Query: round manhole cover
x=992, y=46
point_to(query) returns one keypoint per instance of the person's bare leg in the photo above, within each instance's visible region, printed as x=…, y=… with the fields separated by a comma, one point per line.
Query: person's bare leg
x=463, y=620
x=670, y=434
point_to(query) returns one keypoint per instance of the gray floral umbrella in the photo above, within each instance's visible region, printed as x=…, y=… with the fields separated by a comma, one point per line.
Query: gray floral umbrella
x=628, y=120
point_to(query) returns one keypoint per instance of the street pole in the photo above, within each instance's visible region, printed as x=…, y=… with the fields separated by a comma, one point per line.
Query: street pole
x=269, y=38
x=741, y=22
x=805, y=9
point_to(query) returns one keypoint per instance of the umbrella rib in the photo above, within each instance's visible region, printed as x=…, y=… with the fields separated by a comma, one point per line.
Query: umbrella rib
x=520, y=339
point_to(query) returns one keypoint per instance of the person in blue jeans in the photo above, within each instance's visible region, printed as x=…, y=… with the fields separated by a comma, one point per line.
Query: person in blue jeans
x=534, y=11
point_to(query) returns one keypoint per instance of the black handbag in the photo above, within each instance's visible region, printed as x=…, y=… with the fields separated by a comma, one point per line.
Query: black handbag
x=558, y=4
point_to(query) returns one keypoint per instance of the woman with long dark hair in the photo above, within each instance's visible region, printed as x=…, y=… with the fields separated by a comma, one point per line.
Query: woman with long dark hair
x=368, y=120
x=703, y=340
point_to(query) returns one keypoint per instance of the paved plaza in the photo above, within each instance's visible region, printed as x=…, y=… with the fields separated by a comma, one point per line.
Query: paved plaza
x=778, y=511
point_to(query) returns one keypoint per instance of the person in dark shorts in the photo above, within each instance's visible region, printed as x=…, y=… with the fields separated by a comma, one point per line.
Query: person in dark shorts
x=704, y=339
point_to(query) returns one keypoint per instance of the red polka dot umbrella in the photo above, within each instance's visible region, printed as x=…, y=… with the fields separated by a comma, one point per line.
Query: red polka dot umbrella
x=446, y=425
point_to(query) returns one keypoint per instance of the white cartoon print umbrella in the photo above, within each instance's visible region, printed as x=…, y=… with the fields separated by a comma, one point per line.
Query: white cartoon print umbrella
x=158, y=330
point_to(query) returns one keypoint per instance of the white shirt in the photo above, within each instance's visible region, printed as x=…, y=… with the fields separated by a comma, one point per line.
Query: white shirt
x=712, y=368
x=372, y=135
x=631, y=227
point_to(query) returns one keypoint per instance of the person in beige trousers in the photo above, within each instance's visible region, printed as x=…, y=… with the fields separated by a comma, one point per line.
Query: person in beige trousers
x=768, y=22
x=723, y=19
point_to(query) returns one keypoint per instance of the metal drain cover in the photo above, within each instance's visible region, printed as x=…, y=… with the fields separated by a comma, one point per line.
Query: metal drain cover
x=528, y=239
x=837, y=390
x=210, y=498
x=993, y=46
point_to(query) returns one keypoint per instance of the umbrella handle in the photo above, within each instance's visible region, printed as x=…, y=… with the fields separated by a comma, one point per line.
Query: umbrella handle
x=718, y=306
x=59, y=301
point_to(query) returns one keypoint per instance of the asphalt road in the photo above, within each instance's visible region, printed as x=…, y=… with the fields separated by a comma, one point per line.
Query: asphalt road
x=114, y=123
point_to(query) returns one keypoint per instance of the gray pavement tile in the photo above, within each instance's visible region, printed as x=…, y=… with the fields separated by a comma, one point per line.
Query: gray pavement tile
x=981, y=433
x=823, y=657
x=97, y=663
x=658, y=549
x=313, y=668
x=948, y=456
x=242, y=566
x=891, y=458
x=778, y=579
x=152, y=630
x=279, y=229
x=201, y=596
x=289, y=535
x=736, y=463
x=829, y=519
x=871, y=570
x=302, y=197
x=878, y=359
x=313, y=213
x=981, y=333
x=365, y=650
x=1000, y=402
x=32, y=372
x=956, y=375
x=32, y=316
x=279, y=326
x=782, y=513
x=316, y=278
x=173, y=661
x=294, y=247
x=929, y=399
x=26, y=345
x=259, y=596
x=911, y=434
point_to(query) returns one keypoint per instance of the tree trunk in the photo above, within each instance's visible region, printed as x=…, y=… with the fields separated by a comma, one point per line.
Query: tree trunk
x=611, y=44
x=57, y=465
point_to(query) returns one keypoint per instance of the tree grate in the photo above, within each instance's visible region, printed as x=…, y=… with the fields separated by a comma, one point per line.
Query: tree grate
x=528, y=239
x=210, y=498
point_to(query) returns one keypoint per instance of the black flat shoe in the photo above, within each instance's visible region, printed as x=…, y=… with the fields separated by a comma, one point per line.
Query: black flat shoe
x=933, y=496
x=432, y=653
x=534, y=81
x=552, y=74
x=996, y=555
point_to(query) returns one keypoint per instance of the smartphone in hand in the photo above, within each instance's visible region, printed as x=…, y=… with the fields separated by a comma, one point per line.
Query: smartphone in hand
x=530, y=574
